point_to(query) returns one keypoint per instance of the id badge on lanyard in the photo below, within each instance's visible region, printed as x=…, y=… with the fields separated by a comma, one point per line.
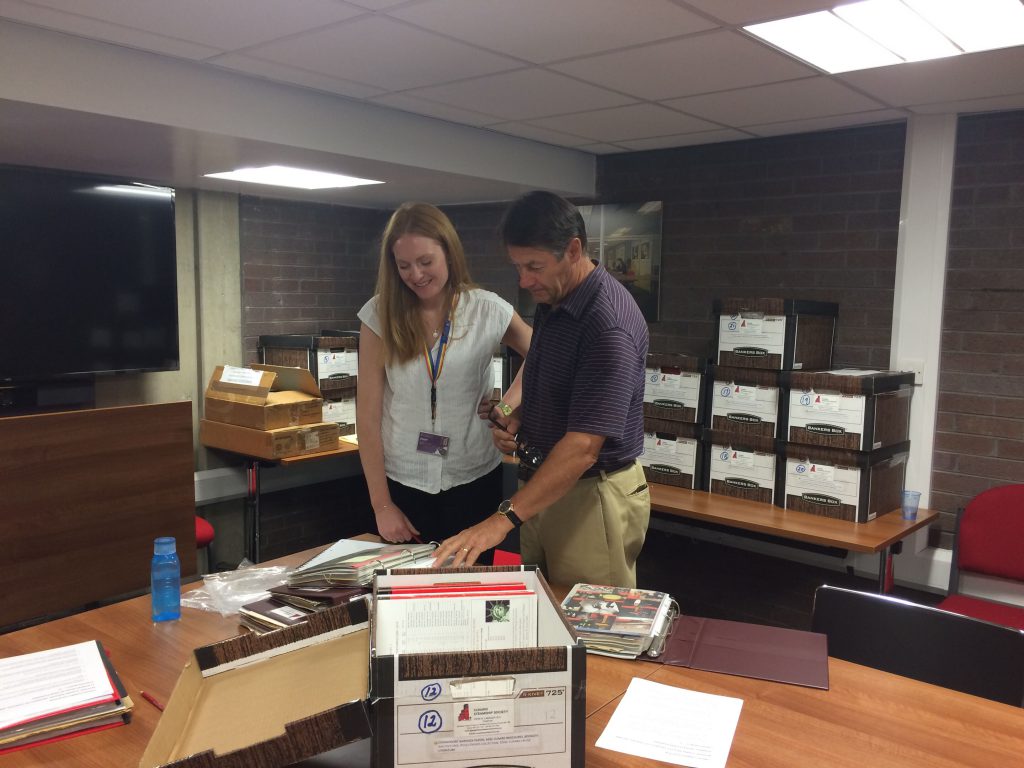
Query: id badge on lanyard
x=430, y=442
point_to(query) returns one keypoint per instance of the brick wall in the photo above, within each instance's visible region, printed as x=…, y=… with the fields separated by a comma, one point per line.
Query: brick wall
x=813, y=216
x=305, y=267
x=979, y=439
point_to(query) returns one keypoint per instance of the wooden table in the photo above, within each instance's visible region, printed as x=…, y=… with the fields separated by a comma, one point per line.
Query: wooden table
x=884, y=535
x=867, y=718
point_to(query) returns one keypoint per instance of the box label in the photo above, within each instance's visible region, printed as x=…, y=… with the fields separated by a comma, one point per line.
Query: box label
x=531, y=726
x=343, y=362
x=675, y=388
x=752, y=336
x=245, y=376
x=668, y=455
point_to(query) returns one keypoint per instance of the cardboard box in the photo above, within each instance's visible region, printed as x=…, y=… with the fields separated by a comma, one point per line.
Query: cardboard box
x=269, y=443
x=262, y=397
x=270, y=699
x=781, y=334
x=531, y=701
x=742, y=466
x=675, y=387
x=672, y=453
x=332, y=357
x=847, y=485
x=853, y=409
x=746, y=401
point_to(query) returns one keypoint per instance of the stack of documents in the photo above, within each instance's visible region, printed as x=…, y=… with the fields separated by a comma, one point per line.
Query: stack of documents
x=353, y=563
x=454, y=616
x=618, y=621
x=288, y=606
x=50, y=695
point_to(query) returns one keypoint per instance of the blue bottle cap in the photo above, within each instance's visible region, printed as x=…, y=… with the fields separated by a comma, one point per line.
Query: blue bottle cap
x=163, y=545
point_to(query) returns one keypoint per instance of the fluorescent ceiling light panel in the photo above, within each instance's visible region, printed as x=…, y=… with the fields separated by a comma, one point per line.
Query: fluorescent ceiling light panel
x=895, y=26
x=975, y=25
x=297, y=178
x=826, y=41
x=133, y=190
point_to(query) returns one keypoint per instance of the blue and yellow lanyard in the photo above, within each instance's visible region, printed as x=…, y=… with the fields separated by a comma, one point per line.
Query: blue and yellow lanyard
x=434, y=366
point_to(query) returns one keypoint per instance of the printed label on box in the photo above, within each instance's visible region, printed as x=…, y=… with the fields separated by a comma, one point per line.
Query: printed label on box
x=532, y=726
x=815, y=412
x=246, y=376
x=337, y=363
x=822, y=483
x=340, y=411
x=745, y=404
x=729, y=464
x=767, y=333
x=679, y=388
x=669, y=455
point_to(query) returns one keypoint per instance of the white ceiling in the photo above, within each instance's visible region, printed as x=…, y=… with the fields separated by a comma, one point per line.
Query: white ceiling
x=588, y=77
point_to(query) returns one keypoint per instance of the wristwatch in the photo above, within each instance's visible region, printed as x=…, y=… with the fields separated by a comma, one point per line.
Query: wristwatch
x=506, y=510
x=504, y=408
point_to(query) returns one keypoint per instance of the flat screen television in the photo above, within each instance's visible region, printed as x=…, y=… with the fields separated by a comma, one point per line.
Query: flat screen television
x=88, y=276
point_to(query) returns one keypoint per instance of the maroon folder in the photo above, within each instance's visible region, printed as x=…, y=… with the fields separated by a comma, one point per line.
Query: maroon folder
x=749, y=650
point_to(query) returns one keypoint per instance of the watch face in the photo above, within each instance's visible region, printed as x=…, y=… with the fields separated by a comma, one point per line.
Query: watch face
x=505, y=507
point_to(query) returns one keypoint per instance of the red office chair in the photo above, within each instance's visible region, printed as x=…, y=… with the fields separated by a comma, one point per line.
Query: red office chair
x=989, y=542
x=204, y=535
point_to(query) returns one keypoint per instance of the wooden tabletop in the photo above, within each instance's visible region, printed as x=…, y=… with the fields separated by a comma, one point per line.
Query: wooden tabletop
x=866, y=718
x=873, y=536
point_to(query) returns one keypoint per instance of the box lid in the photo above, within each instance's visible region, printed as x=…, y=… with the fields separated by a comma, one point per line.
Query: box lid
x=270, y=699
x=850, y=381
x=739, y=440
x=845, y=457
x=774, y=306
x=676, y=361
x=670, y=430
x=749, y=377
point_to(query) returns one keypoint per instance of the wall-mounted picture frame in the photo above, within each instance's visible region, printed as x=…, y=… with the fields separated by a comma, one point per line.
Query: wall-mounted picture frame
x=626, y=239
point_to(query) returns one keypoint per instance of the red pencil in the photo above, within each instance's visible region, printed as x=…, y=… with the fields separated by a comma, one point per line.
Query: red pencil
x=152, y=700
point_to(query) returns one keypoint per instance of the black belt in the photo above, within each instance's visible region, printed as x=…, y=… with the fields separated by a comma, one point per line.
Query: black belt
x=525, y=472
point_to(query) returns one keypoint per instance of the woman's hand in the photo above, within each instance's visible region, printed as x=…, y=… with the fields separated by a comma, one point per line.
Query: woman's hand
x=393, y=525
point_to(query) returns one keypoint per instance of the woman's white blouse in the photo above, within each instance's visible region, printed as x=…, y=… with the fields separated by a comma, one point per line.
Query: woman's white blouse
x=481, y=320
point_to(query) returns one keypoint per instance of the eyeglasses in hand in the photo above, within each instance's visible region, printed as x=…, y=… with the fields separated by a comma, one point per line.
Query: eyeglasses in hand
x=528, y=455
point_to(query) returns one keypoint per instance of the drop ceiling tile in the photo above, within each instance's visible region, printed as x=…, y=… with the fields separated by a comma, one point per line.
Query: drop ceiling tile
x=103, y=31
x=794, y=100
x=384, y=53
x=685, y=140
x=957, y=78
x=409, y=103
x=536, y=133
x=742, y=12
x=601, y=149
x=827, y=123
x=680, y=67
x=376, y=5
x=540, y=31
x=991, y=104
x=227, y=24
x=523, y=95
x=633, y=122
x=282, y=73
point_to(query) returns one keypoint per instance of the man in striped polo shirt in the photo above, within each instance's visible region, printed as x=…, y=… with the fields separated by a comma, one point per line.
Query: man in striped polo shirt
x=585, y=505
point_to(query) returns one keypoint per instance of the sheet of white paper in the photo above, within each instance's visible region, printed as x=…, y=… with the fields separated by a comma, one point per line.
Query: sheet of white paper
x=341, y=548
x=45, y=682
x=674, y=725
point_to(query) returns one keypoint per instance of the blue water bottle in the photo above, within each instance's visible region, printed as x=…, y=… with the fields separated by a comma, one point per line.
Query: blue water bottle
x=165, y=580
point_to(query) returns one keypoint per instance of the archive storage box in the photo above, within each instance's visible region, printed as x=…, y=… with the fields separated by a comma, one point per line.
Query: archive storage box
x=272, y=699
x=333, y=360
x=531, y=702
x=675, y=387
x=781, y=334
x=672, y=453
x=857, y=486
x=747, y=401
x=743, y=466
x=853, y=409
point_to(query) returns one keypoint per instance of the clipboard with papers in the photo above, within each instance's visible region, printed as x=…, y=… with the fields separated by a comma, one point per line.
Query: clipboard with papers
x=353, y=563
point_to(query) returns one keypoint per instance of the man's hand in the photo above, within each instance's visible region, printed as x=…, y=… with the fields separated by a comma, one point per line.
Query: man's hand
x=466, y=546
x=503, y=431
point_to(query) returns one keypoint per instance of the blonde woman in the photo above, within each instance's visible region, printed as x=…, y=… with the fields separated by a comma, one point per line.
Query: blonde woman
x=425, y=349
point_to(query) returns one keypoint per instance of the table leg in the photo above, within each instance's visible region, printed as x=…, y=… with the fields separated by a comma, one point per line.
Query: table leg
x=252, y=512
x=885, y=567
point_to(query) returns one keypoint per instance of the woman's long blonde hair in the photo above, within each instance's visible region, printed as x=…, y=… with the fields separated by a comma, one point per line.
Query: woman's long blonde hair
x=403, y=335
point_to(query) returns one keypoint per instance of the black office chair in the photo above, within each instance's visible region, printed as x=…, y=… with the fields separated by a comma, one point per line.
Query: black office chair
x=922, y=642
